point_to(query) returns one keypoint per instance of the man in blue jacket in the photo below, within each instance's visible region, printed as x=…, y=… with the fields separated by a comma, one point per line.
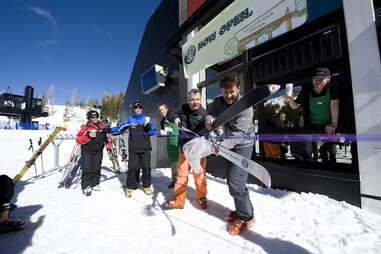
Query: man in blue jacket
x=140, y=129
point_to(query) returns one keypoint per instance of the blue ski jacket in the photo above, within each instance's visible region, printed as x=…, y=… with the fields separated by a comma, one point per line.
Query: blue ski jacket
x=140, y=129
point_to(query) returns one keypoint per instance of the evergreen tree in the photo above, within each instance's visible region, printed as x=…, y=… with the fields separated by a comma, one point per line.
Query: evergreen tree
x=110, y=107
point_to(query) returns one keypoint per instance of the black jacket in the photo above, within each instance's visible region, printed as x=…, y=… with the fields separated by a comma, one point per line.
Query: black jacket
x=192, y=120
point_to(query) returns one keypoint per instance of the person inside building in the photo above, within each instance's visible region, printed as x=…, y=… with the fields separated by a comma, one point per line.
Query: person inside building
x=282, y=123
x=92, y=138
x=240, y=126
x=321, y=104
x=172, y=142
x=8, y=225
x=140, y=128
x=301, y=151
x=191, y=116
x=272, y=149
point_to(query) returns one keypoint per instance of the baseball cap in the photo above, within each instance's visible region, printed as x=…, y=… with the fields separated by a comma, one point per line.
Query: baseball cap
x=321, y=72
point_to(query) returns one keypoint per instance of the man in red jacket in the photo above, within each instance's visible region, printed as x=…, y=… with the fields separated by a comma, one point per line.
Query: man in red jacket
x=92, y=139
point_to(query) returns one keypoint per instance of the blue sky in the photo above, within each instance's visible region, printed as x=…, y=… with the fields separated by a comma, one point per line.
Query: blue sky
x=85, y=44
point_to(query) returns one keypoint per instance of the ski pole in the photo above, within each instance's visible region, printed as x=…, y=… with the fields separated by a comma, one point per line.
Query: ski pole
x=31, y=147
x=42, y=161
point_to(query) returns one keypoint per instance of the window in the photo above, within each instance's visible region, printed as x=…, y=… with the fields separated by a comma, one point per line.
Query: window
x=285, y=135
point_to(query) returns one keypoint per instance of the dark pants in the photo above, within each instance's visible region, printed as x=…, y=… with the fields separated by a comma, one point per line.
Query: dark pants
x=328, y=152
x=6, y=192
x=91, y=168
x=137, y=160
x=237, y=179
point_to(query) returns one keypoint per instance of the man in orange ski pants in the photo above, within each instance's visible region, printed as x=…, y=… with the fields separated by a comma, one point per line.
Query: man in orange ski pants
x=191, y=116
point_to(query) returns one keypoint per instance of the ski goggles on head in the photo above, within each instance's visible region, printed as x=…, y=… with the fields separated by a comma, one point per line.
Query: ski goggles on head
x=137, y=104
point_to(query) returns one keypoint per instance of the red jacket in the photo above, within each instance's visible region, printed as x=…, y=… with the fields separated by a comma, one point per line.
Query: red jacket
x=93, y=144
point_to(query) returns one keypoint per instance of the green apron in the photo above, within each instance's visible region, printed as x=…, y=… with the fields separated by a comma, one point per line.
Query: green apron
x=172, y=143
x=320, y=109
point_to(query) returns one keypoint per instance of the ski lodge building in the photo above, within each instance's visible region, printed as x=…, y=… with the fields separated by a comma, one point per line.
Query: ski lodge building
x=194, y=43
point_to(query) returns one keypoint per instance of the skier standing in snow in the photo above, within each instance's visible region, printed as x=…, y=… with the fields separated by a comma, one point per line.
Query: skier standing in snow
x=191, y=116
x=140, y=129
x=172, y=143
x=92, y=138
x=320, y=102
x=240, y=126
x=6, y=193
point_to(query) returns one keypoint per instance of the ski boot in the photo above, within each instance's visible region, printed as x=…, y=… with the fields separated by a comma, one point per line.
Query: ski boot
x=239, y=226
x=96, y=188
x=147, y=191
x=203, y=203
x=87, y=191
x=10, y=226
x=129, y=193
x=174, y=203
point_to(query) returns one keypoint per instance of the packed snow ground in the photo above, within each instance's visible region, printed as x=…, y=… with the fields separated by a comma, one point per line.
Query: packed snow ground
x=65, y=221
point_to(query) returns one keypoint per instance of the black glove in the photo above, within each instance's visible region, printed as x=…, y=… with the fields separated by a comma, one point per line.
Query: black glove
x=106, y=130
x=147, y=127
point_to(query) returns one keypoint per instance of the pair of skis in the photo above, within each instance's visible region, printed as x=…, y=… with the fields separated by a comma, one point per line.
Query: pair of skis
x=72, y=167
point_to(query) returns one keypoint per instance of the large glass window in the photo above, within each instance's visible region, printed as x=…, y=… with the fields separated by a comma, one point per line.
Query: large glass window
x=285, y=136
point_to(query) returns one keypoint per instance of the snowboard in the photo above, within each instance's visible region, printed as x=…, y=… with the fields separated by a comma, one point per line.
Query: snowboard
x=253, y=168
x=254, y=97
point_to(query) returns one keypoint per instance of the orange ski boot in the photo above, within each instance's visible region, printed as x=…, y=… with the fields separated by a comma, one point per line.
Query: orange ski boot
x=203, y=203
x=240, y=226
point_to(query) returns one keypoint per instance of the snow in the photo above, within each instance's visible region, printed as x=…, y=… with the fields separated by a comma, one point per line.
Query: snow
x=65, y=221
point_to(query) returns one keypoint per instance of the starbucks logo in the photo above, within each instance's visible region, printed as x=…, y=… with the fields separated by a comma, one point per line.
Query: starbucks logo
x=244, y=163
x=190, y=54
x=231, y=47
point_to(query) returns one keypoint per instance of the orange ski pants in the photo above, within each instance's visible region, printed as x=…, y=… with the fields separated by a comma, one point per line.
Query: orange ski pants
x=180, y=190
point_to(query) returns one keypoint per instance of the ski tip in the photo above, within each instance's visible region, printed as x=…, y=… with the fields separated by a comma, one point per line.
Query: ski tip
x=273, y=88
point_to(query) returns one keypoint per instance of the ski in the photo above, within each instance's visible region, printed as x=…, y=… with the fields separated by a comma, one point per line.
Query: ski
x=113, y=156
x=75, y=155
x=254, y=97
x=120, y=146
x=72, y=174
x=32, y=160
x=253, y=168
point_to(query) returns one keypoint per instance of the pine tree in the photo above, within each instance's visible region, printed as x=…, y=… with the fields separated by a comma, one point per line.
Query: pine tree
x=110, y=107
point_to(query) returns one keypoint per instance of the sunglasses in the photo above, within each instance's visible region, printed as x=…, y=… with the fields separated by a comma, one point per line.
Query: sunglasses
x=137, y=106
x=319, y=79
x=93, y=117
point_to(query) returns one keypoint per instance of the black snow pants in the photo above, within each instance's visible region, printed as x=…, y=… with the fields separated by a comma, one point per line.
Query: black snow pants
x=6, y=192
x=137, y=160
x=91, y=168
